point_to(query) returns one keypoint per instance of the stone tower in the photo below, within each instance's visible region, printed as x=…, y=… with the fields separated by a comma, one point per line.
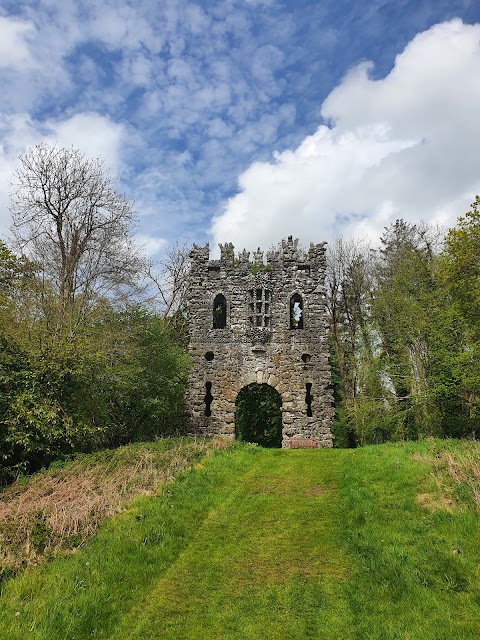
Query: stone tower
x=264, y=323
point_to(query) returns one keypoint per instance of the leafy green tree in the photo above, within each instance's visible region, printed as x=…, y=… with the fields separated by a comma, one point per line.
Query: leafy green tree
x=460, y=270
x=258, y=418
x=148, y=379
x=119, y=378
x=405, y=283
x=356, y=375
x=462, y=265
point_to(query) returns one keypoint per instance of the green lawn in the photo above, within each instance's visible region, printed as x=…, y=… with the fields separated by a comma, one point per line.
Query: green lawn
x=271, y=544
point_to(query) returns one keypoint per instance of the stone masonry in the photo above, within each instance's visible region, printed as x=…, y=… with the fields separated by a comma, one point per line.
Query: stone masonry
x=265, y=323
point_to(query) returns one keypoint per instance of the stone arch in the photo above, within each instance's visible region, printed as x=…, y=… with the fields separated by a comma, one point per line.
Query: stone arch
x=258, y=415
x=296, y=311
x=219, y=311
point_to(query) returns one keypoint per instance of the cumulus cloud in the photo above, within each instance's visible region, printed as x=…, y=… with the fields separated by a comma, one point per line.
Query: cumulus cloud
x=93, y=134
x=150, y=245
x=402, y=146
x=14, y=51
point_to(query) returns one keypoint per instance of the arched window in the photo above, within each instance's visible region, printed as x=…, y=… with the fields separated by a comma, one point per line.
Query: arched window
x=296, y=311
x=219, y=312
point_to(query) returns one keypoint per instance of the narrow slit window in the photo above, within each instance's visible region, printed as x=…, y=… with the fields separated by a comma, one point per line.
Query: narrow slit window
x=296, y=311
x=208, y=398
x=219, y=312
x=308, y=399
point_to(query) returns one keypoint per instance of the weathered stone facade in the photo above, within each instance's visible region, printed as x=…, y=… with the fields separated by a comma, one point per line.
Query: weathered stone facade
x=270, y=329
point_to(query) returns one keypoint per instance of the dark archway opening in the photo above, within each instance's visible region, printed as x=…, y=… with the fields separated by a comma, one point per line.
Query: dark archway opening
x=258, y=417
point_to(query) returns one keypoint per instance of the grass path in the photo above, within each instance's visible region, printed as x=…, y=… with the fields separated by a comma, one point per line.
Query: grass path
x=268, y=545
x=264, y=564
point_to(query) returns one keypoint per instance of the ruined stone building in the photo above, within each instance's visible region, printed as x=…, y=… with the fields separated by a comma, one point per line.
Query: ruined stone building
x=260, y=323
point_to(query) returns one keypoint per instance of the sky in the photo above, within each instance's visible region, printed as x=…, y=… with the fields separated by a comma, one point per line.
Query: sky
x=246, y=121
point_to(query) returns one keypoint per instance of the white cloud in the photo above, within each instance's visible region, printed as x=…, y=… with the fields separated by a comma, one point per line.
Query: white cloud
x=14, y=51
x=403, y=146
x=150, y=245
x=93, y=134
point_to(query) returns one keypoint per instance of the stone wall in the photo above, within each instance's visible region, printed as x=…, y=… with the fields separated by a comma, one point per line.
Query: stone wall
x=258, y=343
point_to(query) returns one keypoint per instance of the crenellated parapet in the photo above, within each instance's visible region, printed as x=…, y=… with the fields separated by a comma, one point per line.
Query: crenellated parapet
x=244, y=257
x=200, y=254
x=317, y=253
x=287, y=252
x=227, y=253
x=258, y=257
x=290, y=249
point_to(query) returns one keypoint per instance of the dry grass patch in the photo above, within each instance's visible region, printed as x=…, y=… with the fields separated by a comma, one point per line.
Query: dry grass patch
x=455, y=474
x=57, y=510
x=432, y=502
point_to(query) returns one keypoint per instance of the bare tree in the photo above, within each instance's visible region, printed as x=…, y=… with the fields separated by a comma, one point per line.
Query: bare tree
x=68, y=217
x=169, y=279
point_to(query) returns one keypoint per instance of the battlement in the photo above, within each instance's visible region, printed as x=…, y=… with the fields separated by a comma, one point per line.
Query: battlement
x=288, y=252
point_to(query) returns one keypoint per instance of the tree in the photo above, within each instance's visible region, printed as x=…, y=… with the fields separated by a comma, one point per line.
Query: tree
x=169, y=277
x=419, y=333
x=462, y=265
x=69, y=219
x=461, y=275
x=353, y=357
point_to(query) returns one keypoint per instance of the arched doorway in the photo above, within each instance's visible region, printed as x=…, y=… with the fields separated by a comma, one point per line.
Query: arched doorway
x=258, y=417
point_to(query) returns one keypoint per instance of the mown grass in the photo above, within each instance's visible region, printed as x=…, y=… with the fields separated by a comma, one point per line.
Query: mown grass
x=416, y=562
x=272, y=544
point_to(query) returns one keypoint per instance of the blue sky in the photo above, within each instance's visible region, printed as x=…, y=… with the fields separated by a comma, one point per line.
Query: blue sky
x=250, y=120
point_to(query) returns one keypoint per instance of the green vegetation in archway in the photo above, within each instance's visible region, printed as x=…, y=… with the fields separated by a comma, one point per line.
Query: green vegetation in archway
x=258, y=417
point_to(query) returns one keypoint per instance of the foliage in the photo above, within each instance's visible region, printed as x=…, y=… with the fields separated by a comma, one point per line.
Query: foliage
x=119, y=378
x=460, y=270
x=258, y=418
x=462, y=265
x=404, y=346
x=81, y=365
x=255, y=268
x=149, y=399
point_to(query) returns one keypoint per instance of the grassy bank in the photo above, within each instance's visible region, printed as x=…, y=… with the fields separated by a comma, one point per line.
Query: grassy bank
x=58, y=510
x=379, y=543
x=412, y=532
